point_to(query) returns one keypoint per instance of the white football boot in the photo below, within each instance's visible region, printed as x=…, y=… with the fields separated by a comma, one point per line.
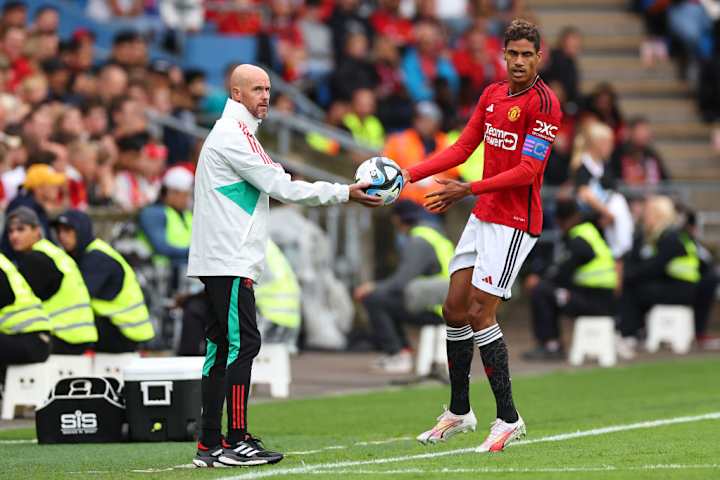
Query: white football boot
x=502, y=433
x=448, y=425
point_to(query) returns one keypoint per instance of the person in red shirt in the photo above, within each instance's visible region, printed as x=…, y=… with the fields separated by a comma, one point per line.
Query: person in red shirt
x=517, y=118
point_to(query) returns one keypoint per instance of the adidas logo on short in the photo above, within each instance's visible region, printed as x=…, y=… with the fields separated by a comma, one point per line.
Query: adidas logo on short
x=488, y=279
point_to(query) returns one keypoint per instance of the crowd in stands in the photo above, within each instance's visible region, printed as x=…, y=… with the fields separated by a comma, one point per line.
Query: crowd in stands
x=687, y=31
x=400, y=77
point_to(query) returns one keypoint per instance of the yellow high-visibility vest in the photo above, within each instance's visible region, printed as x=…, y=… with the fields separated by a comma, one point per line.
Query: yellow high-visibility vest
x=600, y=271
x=444, y=250
x=25, y=314
x=127, y=310
x=178, y=231
x=69, y=309
x=277, y=295
x=687, y=267
x=368, y=131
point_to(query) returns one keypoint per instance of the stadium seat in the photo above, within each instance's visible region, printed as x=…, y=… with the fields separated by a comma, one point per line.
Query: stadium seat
x=272, y=366
x=431, y=349
x=30, y=384
x=593, y=337
x=112, y=364
x=213, y=53
x=673, y=324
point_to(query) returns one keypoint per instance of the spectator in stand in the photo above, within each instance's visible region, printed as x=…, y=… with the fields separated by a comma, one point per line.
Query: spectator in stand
x=288, y=41
x=595, y=187
x=114, y=81
x=121, y=316
x=56, y=280
x=424, y=65
x=15, y=160
x=478, y=63
x=582, y=283
x=689, y=22
x=13, y=40
x=14, y=14
x=386, y=20
x=411, y=146
x=129, y=51
x=558, y=167
x=40, y=193
x=602, y=104
x=662, y=268
x=654, y=46
x=166, y=224
x=320, y=60
x=425, y=252
x=636, y=162
x=361, y=121
x=46, y=20
x=58, y=79
x=346, y=20
x=395, y=110
x=236, y=17
x=79, y=53
x=355, y=70
x=138, y=183
x=705, y=294
x=334, y=118
x=563, y=68
x=94, y=171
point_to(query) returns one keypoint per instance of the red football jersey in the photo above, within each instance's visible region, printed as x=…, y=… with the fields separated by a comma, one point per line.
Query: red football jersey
x=518, y=130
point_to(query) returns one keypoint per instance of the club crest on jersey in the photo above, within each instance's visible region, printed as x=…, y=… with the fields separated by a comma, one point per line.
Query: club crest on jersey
x=514, y=113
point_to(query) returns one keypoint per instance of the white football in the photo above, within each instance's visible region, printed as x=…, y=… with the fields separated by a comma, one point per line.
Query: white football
x=383, y=175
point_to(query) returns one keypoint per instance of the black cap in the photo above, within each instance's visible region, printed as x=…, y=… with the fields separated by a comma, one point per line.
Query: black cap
x=23, y=216
x=565, y=208
x=408, y=211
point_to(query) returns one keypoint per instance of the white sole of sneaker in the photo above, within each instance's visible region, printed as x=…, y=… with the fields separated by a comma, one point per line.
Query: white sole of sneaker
x=229, y=462
x=433, y=440
x=201, y=464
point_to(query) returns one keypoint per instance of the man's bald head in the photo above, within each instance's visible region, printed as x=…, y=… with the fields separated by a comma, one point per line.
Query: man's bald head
x=250, y=85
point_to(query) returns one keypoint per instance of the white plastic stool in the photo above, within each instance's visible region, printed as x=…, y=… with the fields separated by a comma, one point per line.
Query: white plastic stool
x=25, y=385
x=594, y=337
x=272, y=366
x=30, y=384
x=112, y=364
x=431, y=349
x=673, y=324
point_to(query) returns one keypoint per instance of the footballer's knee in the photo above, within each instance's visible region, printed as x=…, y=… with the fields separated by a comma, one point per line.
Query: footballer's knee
x=481, y=313
x=454, y=315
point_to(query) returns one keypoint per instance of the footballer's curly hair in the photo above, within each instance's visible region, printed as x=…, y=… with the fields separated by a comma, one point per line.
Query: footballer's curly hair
x=520, y=29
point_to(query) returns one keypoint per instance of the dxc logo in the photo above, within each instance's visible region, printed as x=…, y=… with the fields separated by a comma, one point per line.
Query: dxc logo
x=547, y=130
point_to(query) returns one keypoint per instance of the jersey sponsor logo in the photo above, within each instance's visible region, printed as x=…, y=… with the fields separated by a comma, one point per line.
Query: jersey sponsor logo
x=491, y=108
x=500, y=138
x=545, y=130
x=78, y=423
x=514, y=113
x=535, y=147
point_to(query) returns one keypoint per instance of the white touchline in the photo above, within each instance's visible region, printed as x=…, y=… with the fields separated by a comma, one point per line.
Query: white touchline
x=405, y=458
x=10, y=442
x=357, y=444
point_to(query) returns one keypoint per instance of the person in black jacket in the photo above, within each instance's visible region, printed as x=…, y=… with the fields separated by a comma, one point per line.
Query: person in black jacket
x=581, y=283
x=662, y=268
x=563, y=66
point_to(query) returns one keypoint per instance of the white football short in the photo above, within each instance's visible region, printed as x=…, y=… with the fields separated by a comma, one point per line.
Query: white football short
x=495, y=252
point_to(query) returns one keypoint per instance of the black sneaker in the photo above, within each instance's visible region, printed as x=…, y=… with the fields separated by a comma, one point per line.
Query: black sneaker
x=248, y=452
x=208, y=457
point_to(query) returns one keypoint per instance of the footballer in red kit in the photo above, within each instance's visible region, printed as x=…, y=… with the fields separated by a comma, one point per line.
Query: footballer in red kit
x=517, y=119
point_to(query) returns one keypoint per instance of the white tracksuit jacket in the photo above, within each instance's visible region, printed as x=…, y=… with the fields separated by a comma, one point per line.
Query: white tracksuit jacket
x=234, y=179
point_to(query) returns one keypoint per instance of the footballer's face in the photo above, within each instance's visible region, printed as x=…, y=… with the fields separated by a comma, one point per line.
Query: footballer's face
x=522, y=61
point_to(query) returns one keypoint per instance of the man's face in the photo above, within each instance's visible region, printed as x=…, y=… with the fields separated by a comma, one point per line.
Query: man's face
x=254, y=93
x=23, y=237
x=522, y=60
x=67, y=238
x=177, y=199
x=47, y=194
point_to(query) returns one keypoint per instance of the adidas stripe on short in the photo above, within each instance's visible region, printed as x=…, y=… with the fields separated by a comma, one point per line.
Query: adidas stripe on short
x=495, y=252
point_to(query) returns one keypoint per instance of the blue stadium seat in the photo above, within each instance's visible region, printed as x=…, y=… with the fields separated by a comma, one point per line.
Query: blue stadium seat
x=213, y=53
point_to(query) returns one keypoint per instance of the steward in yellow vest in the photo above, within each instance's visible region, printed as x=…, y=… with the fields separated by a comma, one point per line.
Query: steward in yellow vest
x=424, y=253
x=166, y=225
x=581, y=282
x=56, y=280
x=277, y=298
x=663, y=267
x=24, y=325
x=116, y=298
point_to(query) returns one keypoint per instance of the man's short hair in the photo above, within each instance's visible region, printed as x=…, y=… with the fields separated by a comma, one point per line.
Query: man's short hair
x=520, y=29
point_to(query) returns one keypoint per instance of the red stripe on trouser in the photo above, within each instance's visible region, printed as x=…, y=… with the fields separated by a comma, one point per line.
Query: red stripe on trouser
x=234, y=404
x=242, y=406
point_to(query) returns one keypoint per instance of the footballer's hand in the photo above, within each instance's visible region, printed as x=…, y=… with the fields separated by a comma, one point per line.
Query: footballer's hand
x=451, y=191
x=358, y=195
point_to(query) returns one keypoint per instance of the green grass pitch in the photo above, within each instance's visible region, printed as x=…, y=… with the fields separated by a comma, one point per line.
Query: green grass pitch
x=366, y=436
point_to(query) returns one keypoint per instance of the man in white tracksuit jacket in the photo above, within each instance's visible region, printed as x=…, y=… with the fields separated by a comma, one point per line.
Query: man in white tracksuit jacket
x=234, y=180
